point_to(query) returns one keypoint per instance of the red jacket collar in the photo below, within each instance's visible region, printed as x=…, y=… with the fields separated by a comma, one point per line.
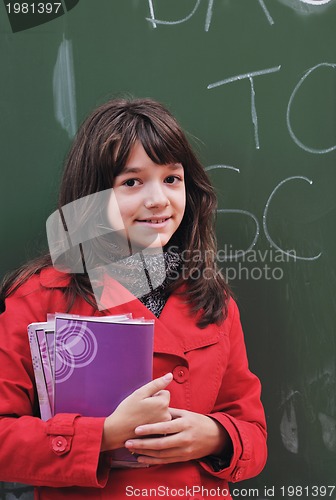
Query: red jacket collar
x=52, y=278
x=176, y=331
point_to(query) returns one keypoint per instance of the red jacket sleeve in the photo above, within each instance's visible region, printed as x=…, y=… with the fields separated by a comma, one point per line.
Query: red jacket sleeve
x=63, y=451
x=239, y=409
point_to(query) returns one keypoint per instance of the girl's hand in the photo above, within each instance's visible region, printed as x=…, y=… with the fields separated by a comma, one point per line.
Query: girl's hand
x=147, y=405
x=188, y=436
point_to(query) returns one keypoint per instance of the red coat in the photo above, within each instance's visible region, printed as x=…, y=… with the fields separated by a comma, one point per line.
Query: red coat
x=211, y=376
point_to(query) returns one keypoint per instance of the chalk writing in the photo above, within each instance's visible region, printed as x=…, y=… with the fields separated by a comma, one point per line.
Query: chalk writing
x=271, y=241
x=307, y=7
x=290, y=129
x=151, y=11
x=237, y=211
x=154, y=21
x=267, y=14
x=292, y=254
x=315, y=2
x=64, y=89
x=227, y=167
x=254, y=116
x=250, y=76
x=209, y=15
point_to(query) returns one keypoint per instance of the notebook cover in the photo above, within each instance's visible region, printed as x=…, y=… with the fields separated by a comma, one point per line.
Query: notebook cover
x=98, y=364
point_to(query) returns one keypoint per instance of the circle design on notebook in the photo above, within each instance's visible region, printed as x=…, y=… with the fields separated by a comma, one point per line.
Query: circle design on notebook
x=63, y=369
x=76, y=346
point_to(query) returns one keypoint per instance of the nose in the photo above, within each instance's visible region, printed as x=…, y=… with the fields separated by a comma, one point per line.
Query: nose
x=156, y=196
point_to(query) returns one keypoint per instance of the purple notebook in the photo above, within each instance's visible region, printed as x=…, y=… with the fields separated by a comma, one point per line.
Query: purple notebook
x=88, y=365
x=98, y=364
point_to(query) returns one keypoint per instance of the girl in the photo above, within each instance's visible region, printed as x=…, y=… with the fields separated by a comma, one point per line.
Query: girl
x=200, y=422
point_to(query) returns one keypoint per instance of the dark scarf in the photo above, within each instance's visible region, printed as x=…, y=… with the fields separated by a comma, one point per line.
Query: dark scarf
x=147, y=276
x=156, y=299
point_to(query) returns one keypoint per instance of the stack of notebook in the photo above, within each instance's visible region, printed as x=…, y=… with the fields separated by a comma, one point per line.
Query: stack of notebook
x=88, y=365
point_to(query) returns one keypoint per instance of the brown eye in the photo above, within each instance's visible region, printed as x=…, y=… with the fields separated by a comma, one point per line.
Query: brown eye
x=171, y=179
x=130, y=182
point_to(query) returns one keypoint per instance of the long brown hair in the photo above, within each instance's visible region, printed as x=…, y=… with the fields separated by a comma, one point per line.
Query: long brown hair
x=100, y=152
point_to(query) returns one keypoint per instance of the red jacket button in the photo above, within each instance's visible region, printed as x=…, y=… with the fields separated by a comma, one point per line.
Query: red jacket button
x=237, y=475
x=59, y=443
x=181, y=374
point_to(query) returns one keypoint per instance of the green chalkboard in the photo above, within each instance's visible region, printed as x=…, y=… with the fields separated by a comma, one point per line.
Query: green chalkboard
x=254, y=84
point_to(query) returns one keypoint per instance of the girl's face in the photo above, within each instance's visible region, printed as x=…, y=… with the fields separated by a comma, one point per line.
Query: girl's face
x=149, y=198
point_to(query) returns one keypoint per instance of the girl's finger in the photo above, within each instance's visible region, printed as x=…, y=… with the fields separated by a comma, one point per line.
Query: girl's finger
x=170, y=427
x=150, y=444
x=154, y=386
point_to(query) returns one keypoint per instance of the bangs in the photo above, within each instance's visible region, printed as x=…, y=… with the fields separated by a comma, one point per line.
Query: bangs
x=160, y=145
x=162, y=142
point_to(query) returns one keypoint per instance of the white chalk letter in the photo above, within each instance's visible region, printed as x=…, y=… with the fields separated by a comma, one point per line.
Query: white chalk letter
x=240, y=253
x=250, y=76
x=290, y=253
x=267, y=14
x=316, y=2
x=155, y=21
x=290, y=102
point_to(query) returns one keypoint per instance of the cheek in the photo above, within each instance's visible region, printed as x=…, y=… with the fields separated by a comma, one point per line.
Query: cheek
x=182, y=204
x=114, y=212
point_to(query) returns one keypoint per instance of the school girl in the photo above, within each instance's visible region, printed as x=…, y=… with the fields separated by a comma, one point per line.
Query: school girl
x=200, y=423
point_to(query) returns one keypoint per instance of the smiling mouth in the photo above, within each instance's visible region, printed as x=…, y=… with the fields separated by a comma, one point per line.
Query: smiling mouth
x=154, y=221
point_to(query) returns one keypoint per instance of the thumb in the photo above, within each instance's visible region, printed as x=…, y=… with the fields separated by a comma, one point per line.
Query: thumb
x=155, y=386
